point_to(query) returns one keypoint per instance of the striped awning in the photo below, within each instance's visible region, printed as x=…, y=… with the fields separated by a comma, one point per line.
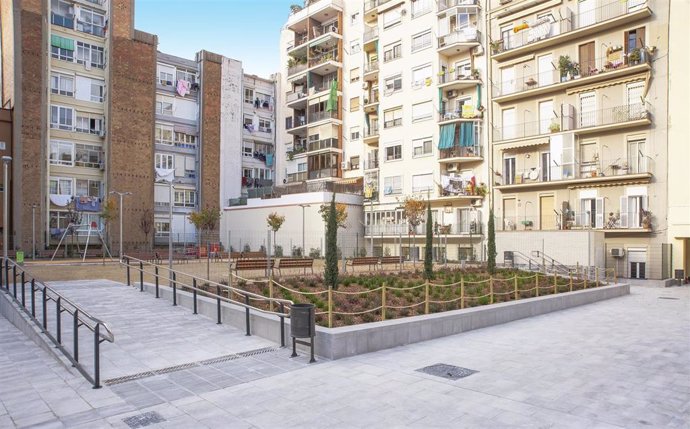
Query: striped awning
x=608, y=83
x=610, y=184
x=526, y=143
x=350, y=181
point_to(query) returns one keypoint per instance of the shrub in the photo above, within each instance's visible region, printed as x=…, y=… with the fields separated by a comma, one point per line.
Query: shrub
x=315, y=253
x=279, y=252
x=246, y=248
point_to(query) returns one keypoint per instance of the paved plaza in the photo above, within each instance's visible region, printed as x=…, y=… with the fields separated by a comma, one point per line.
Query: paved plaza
x=616, y=363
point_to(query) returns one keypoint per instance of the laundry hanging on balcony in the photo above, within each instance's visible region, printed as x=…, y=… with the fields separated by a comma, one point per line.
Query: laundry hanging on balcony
x=183, y=87
x=165, y=174
x=269, y=159
x=332, y=103
x=60, y=200
x=87, y=204
x=447, y=137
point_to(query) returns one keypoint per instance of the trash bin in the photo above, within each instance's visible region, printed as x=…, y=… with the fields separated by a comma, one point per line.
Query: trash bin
x=302, y=320
x=20, y=257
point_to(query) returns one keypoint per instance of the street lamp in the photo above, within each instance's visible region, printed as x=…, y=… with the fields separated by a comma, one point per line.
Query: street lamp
x=121, y=195
x=33, y=231
x=304, y=249
x=5, y=209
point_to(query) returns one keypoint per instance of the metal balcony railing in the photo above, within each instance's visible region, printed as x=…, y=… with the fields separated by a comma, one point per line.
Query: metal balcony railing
x=298, y=68
x=322, y=58
x=447, y=4
x=461, y=152
x=297, y=177
x=371, y=67
x=463, y=35
x=61, y=20
x=371, y=34
x=323, y=173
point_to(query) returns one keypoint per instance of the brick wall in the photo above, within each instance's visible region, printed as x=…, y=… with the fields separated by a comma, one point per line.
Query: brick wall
x=210, y=72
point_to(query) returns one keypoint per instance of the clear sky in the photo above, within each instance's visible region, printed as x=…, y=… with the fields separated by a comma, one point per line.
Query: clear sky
x=245, y=30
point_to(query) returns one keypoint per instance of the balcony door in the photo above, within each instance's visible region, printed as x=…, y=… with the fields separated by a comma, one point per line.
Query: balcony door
x=509, y=214
x=588, y=107
x=637, y=161
x=587, y=59
x=587, y=13
x=508, y=124
x=509, y=170
x=507, y=80
x=545, y=70
x=547, y=215
x=546, y=116
x=634, y=95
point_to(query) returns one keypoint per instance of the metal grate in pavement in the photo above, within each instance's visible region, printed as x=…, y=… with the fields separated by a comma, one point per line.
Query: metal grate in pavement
x=450, y=372
x=143, y=420
x=220, y=359
x=668, y=297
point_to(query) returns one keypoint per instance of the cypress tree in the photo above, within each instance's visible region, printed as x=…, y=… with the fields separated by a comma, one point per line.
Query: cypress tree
x=331, y=273
x=491, y=245
x=428, y=249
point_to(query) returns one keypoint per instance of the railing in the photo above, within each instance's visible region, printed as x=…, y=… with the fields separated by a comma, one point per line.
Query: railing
x=323, y=173
x=188, y=282
x=461, y=152
x=38, y=313
x=392, y=123
x=458, y=75
x=371, y=164
x=545, y=29
x=322, y=144
x=552, y=77
x=371, y=34
x=295, y=95
x=233, y=202
x=372, y=132
x=450, y=112
x=322, y=58
x=90, y=28
x=297, y=177
x=62, y=21
x=447, y=4
x=371, y=67
x=320, y=116
x=609, y=218
x=297, y=68
x=372, y=97
x=464, y=35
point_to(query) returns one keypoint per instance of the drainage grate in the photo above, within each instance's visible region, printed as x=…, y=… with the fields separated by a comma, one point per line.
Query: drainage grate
x=226, y=358
x=668, y=297
x=450, y=372
x=143, y=420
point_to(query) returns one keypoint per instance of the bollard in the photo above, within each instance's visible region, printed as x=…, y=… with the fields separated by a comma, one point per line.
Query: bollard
x=555, y=284
x=174, y=284
x=141, y=276
x=596, y=274
x=33, y=298
x=536, y=282
x=45, y=309
x=58, y=321
x=75, y=333
x=23, y=292
x=128, y=275
x=270, y=292
x=194, y=293
x=282, y=324
x=246, y=314
x=157, y=282
x=218, y=304
x=96, y=357
x=570, y=274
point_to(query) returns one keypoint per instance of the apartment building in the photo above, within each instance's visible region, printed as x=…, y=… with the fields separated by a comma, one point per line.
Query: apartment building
x=390, y=94
x=579, y=126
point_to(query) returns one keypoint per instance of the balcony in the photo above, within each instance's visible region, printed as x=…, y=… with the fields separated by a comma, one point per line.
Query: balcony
x=316, y=10
x=66, y=21
x=371, y=101
x=450, y=114
x=294, y=123
x=91, y=28
x=459, y=80
x=601, y=69
x=543, y=33
x=371, y=135
x=297, y=68
x=608, y=220
x=324, y=173
x=396, y=229
x=371, y=35
x=460, y=154
x=294, y=96
x=577, y=174
x=323, y=145
x=618, y=117
x=297, y=177
x=458, y=41
x=371, y=71
x=301, y=41
x=322, y=63
x=443, y=5
x=371, y=164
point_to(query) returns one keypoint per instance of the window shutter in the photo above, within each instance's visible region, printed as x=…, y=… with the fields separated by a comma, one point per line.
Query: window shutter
x=624, y=212
x=599, y=220
x=179, y=165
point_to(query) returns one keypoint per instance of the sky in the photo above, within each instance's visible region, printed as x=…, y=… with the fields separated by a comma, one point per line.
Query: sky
x=245, y=30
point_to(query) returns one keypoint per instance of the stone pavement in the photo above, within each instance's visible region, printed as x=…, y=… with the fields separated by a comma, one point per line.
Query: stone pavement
x=617, y=363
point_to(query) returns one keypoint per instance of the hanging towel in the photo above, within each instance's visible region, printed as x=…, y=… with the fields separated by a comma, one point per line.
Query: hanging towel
x=183, y=87
x=60, y=200
x=332, y=103
x=269, y=159
x=165, y=174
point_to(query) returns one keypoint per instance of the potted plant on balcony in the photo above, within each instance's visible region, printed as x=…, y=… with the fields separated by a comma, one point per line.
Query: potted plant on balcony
x=564, y=67
x=634, y=57
x=528, y=224
x=291, y=63
x=294, y=8
x=575, y=70
x=646, y=219
x=554, y=127
x=496, y=46
x=476, y=74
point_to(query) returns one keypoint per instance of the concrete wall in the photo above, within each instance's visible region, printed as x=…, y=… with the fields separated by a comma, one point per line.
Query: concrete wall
x=585, y=247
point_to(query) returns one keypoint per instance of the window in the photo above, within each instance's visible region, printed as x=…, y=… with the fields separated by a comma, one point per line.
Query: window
x=392, y=185
x=631, y=207
x=392, y=117
x=392, y=52
x=421, y=41
x=162, y=228
x=61, y=186
x=546, y=116
x=422, y=182
x=248, y=95
x=62, y=14
x=420, y=75
x=301, y=167
x=354, y=133
x=265, y=125
x=97, y=90
x=393, y=84
x=354, y=163
x=184, y=140
x=248, y=150
x=164, y=134
x=392, y=17
x=421, y=147
x=185, y=198
x=637, y=160
x=463, y=69
x=61, y=117
x=62, y=48
x=61, y=153
x=88, y=188
x=591, y=212
x=165, y=78
x=164, y=108
x=634, y=39
x=354, y=75
x=87, y=155
x=89, y=123
x=422, y=111
x=420, y=7
x=354, y=104
x=355, y=47
x=90, y=55
x=354, y=18
x=165, y=161
x=509, y=126
x=588, y=106
x=91, y=22
x=394, y=151
x=62, y=84
x=189, y=76
x=509, y=170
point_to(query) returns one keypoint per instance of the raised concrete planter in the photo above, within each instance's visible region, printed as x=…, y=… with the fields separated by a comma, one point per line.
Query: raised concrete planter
x=336, y=343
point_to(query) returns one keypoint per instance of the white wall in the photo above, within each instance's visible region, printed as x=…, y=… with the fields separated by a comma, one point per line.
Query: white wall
x=567, y=247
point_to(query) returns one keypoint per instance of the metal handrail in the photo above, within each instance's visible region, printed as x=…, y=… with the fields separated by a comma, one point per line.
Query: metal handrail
x=172, y=277
x=80, y=317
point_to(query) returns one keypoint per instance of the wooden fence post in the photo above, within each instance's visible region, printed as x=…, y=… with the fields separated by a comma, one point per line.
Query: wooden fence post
x=330, y=307
x=555, y=284
x=536, y=282
x=596, y=274
x=516, y=288
x=426, y=297
x=462, y=292
x=570, y=274
x=270, y=291
x=491, y=289
x=383, y=301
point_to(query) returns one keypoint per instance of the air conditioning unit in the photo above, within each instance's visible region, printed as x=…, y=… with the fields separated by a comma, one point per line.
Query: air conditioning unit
x=477, y=202
x=334, y=29
x=101, y=133
x=345, y=165
x=453, y=167
x=617, y=252
x=451, y=94
x=403, y=12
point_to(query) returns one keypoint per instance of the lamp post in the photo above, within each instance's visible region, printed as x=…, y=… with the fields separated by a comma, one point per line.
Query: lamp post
x=5, y=209
x=33, y=231
x=304, y=249
x=121, y=195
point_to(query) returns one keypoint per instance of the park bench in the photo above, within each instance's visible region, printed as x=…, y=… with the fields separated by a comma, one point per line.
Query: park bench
x=252, y=264
x=371, y=261
x=390, y=260
x=295, y=263
x=247, y=255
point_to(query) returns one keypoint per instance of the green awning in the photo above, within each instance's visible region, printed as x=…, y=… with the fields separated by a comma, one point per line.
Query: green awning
x=332, y=103
x=467, y=134
x=62, y=42
x=447, y=136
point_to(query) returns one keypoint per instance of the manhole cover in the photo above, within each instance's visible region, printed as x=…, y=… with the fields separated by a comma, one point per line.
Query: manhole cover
x=143, y=420
x=450, y=372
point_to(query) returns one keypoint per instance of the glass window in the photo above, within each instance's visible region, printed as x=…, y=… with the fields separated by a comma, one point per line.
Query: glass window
x=61, y=186
x=164, y=108
x=354, y=133
x=394, y=152
x=422, y=182
x=189, y=76
x=392, y=185
x=185, y=198
x=354, y=104
x=91, y=22
x=165, y=78
x=164, y=134
x=62, y=84
x=392, y=17
x=392, y=52
x=165, y=160
x=61, y=153
x=420, y=75
x=62, y=53
x=420, y=7
x=354, y=18
x=89, y=156
x=421, y=111
x=248, y=95
x=421, y=147
x=89, y=123
x=393, y=84
x=392, y=117
x=421, y=41
x=355, y=47
x=90, y=55
x=61, y=117
x=97, y=90
x=183, y=140
x=354, y=75
x=90, y=188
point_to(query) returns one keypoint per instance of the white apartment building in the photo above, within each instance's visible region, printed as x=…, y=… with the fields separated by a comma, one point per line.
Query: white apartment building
x=409, y=118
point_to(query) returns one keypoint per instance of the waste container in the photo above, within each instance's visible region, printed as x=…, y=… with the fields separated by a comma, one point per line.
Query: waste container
x=20, y=257
x=302, y=320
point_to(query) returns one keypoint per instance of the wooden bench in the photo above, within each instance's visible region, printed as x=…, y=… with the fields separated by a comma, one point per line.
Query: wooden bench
x=295, y=263
x=390, y=260
x=247, y=255
x=371, y=261
x=252, y=264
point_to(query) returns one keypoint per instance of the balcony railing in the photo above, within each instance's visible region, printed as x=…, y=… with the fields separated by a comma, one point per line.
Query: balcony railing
x=373, y=131
x=458, y=75
x=323, y=173
x=589, y=169
x=313, y=117
x=371, y=34
x=371, y=164
x=596, y=118
x=322, y=144
x=298, y=68
x=295, y=95
x=372, y=97
x=607, y=219
x=61, y=20
x=464, y=35
x=320, y=116
x=461, y=152
x=392, y=123
x=585, y=69
x=543, y=29
x=322, y=58
x=297, y=177
x=87, y=27
x=371, y=67
x=447, y=4
x=371, y=4
x=448, y=113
